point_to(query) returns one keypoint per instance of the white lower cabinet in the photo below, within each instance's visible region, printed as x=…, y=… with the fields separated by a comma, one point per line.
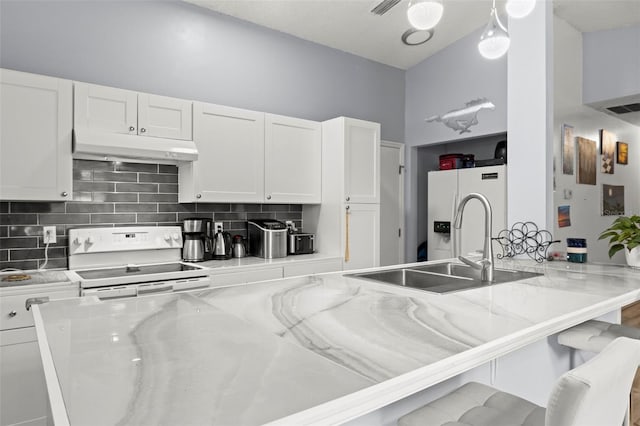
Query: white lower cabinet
x=361, y=236
x=35, y=137
x=23, y=391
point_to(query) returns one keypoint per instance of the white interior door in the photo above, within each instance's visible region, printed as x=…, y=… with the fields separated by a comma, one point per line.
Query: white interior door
x=391, y=203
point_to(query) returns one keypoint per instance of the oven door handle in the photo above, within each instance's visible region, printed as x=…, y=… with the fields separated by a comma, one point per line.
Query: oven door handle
x=158, y=288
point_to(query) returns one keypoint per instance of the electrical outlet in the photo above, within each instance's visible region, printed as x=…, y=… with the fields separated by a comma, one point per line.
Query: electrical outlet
x=217, y=226
x=289, y=223
x=49, y=234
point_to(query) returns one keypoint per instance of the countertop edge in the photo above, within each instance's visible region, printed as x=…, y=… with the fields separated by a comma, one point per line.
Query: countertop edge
x=352, y=406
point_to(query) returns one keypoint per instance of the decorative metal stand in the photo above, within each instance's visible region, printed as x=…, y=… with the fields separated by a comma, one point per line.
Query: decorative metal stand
x=525, y=238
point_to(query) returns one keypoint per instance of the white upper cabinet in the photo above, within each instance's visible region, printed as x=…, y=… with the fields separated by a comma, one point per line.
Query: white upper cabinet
x=163, y=117
x=293, y=160
x=230, y=168
x=105, y=108
x=362, y=161
x=35, y=137
x=123, y=111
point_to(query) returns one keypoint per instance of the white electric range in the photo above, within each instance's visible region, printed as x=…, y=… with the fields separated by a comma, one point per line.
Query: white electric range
x=132, y=261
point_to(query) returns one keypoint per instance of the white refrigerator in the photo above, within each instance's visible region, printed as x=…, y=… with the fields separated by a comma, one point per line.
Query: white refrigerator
x=446, y=189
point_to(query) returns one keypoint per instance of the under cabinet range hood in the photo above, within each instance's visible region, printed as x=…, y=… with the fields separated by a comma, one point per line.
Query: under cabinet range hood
x=96, y=145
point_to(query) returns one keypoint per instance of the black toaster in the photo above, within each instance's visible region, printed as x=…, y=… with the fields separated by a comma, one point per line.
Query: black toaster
x=300, y=243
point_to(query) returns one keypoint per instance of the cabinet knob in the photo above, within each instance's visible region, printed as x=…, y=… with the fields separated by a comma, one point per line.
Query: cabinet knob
x=347, y=207
x=131, y=128
x=64, y=193
x=198, y=195
x=268, y=197
x=348, y=198
x=142, y=130
x=12, y=314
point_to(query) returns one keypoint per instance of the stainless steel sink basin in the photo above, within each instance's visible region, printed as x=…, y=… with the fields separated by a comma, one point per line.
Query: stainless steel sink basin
x=441, y=277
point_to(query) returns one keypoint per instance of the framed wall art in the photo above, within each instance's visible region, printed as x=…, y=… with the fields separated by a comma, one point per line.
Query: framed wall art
x=622, y=153
x=608, y=151
x=612, y=200
x=587, y=157
x=568, y=146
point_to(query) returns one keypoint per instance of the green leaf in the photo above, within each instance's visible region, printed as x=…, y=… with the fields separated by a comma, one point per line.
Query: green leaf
x=614, y=249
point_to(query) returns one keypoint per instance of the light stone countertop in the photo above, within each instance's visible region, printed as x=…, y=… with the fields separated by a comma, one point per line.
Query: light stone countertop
x=319, y=349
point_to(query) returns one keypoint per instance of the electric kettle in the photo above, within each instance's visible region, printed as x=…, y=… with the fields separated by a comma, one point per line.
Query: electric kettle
x=222, y=245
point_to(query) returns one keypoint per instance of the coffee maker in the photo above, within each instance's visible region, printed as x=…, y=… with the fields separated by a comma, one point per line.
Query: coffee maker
x=197, y=245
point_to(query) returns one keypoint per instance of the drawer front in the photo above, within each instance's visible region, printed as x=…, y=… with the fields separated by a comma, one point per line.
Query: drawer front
x=243, y=277
x=13, y=313
x=313, y=268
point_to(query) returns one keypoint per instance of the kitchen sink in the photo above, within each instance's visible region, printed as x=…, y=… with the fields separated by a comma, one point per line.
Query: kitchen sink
x=442, y=277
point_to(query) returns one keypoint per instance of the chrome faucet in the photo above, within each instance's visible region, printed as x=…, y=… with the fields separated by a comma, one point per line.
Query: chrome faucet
x=485, y=265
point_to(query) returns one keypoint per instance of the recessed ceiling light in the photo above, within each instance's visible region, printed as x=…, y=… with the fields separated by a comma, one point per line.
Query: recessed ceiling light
x=414, y=37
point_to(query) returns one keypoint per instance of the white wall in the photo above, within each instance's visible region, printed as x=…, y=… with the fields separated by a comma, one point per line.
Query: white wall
x=586, y=203
x=177, y=49
x=611, y=64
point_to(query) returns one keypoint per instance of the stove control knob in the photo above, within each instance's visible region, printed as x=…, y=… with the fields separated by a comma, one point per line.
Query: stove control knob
x=167, y=238
x=89, y=240
x=175, y=236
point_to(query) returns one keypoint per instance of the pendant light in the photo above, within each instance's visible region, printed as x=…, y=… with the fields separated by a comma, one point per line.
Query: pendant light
x=424, y=14
x=520, y=8
x=494, y=41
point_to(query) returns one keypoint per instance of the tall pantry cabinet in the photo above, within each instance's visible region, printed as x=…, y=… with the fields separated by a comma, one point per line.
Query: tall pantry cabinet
x=348, y=221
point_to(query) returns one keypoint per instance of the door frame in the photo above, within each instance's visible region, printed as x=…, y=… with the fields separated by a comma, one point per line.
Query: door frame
x=401, y=148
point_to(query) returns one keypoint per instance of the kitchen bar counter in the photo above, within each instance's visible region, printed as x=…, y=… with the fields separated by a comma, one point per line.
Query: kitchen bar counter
x=321, y=349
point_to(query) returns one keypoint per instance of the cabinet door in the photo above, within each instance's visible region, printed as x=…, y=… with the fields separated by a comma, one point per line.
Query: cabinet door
x=105, y=108
x=35, y=137
x=361, y=236
x=23, y=392
x=230, y=166
x=293, y=160
x=163, y=117
x=362, y=161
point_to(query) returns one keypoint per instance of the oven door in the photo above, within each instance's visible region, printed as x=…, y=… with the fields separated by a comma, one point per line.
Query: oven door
x=144, y=289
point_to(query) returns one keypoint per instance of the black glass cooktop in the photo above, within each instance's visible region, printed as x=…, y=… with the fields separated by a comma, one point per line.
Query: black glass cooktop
x=135, y=270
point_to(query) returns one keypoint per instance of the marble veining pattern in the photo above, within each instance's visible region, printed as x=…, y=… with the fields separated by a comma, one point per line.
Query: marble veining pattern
x=253, y=353
x=169, y=360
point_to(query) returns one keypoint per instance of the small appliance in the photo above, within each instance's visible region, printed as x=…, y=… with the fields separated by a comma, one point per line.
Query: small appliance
x=267, y=238
x=222, y=248
x=194, y=231
x=300, y=243
x=239, y=248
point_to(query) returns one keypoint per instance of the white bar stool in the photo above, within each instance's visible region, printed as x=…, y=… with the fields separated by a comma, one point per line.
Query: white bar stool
x=594, y=335
x=593, y=394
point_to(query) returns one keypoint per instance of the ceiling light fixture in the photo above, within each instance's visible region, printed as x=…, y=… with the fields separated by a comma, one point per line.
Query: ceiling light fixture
x=424, y=14
x=494, y=41
x=413, y=37
x=520, y=8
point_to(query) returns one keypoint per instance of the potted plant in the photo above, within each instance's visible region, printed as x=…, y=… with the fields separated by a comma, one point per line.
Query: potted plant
x=624, y=233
